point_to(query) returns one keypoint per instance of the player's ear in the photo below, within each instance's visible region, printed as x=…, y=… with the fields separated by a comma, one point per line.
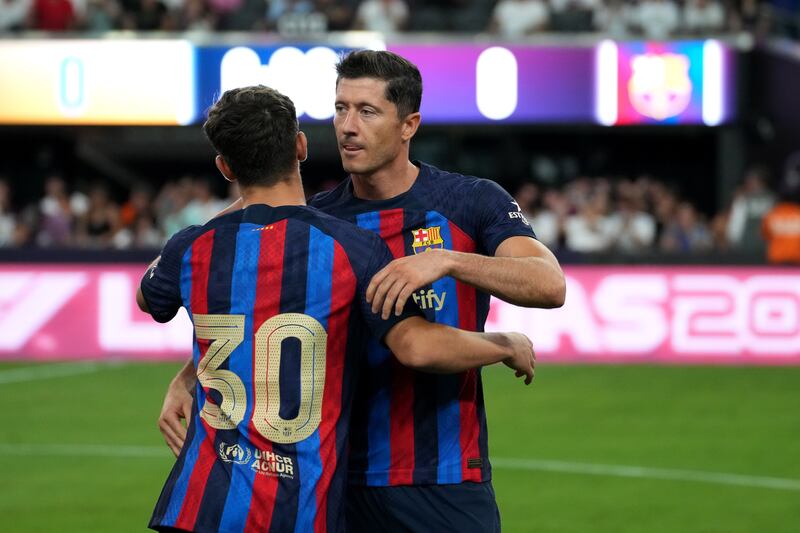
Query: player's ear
x=410, y=125
x=224, y=169
x=302, y=146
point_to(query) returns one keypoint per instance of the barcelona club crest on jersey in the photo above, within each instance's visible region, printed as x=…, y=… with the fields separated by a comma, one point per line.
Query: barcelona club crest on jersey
x=427, y=239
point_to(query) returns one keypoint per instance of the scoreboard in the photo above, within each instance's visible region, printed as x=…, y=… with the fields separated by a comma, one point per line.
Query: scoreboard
x=174, y=81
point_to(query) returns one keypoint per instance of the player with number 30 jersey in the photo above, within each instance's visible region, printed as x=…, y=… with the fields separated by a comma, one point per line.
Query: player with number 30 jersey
x=277, y=296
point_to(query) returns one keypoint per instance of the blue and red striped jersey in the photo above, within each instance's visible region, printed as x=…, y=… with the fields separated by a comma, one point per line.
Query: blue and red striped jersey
x=409, y=427
x=277, y=300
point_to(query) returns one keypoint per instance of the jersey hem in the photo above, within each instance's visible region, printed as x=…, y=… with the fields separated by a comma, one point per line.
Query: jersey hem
x=427, y=477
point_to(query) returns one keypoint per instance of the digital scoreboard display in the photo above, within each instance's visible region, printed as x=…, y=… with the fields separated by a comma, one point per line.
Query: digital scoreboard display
x=97, y=82
x=173, y=82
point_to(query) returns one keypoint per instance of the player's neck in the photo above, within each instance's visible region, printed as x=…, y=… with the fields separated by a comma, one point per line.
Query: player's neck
x=387, y=182
x=286, y=192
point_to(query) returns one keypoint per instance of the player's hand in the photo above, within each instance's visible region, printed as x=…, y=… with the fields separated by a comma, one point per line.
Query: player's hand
x=177, y=407
x=391, y=287
x=522, y=358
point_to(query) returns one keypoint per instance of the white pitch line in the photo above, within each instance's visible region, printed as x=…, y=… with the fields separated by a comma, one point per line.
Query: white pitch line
x=88, y=450
x=641, y=472
x=60, y=370
x=720, y=478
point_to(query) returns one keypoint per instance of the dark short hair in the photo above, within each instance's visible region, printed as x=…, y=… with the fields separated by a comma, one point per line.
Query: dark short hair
x=402, y=77
x=254, y=129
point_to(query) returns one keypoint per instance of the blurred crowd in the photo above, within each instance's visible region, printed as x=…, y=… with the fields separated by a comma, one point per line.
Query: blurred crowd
x=507, y=18
x=92, y=218
x=587, y=215
x=641, y=215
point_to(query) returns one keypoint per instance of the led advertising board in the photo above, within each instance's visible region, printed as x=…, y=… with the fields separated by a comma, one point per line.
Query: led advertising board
x=674, y=315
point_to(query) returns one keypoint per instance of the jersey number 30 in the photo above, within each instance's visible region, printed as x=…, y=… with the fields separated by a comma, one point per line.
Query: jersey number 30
x=226, y=332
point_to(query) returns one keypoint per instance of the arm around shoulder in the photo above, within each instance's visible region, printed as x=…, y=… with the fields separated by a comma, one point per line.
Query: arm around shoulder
x=440, y=349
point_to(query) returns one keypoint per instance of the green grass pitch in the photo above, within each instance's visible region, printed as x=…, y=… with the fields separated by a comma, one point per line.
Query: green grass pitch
x=82, y=453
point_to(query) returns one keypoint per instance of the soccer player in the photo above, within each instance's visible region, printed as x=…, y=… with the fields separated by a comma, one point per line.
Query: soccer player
x=419, y=456
x=276, y=293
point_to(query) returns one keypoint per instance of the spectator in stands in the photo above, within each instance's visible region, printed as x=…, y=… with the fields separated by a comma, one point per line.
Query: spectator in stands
x=614, y=18
x=748, y=15
x=664, y=204
x=781, y=225
x=13, y=14
x=517, y=18
x=590, y=230
x=703, y=16
x=551, y=219
x=633, y=229
x=751, y=202
x=142, y=233
x=687, y=232
x=196, y=17
x=102, y=15
x=281, y=8
x=527, y=196
x=203, y=206
x=8, y=221
x=98, y=224
x=55, y=214
x=139, y=204
x=52, y=15
x=149, y=15
x=236, y=15
x=469, y=16
x=385, y=16
x=572, y=15
x=339, y=15
x=719, y=230
x=170, y=203
x=657, y=19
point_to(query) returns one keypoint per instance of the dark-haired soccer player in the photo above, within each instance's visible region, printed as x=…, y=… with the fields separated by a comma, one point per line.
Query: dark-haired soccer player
x=276, y=293
x=419, y=456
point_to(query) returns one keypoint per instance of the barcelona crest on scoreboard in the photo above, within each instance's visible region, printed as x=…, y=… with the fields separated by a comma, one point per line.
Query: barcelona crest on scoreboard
x=427, y=239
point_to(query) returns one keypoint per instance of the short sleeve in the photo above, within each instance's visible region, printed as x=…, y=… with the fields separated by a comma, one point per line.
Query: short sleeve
x=380, y=257
x=161, y=283
x=499, y=216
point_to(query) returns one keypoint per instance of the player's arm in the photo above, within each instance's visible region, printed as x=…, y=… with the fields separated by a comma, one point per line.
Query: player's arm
x=159, y=295
x=159, y=292
x=522, y=272
x=140, y=301
x=436, y=348
x=516, y=267
x=177, y=408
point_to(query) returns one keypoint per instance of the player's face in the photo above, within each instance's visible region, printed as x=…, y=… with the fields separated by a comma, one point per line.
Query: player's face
x=368, y=129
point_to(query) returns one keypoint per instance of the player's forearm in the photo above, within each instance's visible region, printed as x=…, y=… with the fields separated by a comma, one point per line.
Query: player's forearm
x=443, y=350
x=523, y=281
x=186, y=376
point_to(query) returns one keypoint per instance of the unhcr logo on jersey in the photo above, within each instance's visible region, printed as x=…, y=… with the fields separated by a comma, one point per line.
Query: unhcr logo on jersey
x=273, y=464
x=233, y=453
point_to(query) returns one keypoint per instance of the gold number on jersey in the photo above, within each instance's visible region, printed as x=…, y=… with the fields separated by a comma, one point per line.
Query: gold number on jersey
x=313, y=342
x=226, y=333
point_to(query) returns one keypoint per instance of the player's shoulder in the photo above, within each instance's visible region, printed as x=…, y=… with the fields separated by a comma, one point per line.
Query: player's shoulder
x=359, y=245
x=340, y=230
x=192, y=233
x=327, y=199
x=449, y=182
x=181, y=240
